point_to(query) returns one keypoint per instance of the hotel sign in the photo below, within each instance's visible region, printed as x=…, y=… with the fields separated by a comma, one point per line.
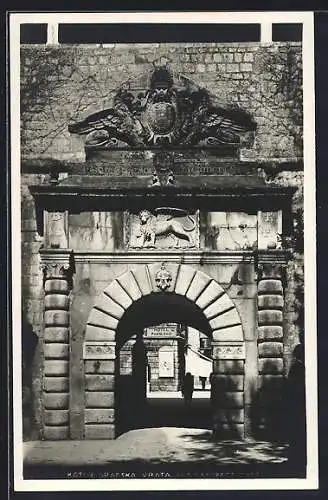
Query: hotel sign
x=164, y=330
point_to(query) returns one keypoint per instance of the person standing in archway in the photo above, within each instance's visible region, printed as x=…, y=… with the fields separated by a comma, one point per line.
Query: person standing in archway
x=188, y=387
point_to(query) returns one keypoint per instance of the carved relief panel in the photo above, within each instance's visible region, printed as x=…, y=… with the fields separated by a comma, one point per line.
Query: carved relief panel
x=269, y=230
x=163, y=227
x=56, y=230
x=231, y=231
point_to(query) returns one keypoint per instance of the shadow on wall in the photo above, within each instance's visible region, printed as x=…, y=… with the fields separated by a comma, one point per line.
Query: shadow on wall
x=29, y=343
x=279, y=410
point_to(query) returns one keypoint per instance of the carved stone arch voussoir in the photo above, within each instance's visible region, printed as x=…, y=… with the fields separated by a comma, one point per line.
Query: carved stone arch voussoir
x=180, y=279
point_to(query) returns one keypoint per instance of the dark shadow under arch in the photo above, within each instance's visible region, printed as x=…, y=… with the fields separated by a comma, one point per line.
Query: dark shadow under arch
x=159, y=308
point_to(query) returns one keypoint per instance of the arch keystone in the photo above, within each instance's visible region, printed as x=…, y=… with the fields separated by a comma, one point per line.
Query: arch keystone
x=171, y=268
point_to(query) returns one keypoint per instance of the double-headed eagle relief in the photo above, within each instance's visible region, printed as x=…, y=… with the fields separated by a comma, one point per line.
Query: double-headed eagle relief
x=163, y=115
x=163, y=227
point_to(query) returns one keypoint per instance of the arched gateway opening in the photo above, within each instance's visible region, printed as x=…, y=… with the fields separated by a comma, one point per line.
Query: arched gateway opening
x=150, y=295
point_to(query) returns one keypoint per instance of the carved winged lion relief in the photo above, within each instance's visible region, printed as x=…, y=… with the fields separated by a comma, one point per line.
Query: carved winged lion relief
x=163, y=227
x=166, y=114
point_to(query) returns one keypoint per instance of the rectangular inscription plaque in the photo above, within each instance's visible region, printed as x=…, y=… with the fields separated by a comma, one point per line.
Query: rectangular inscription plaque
x=99, y=350
x=229, y=351
x=162, y=330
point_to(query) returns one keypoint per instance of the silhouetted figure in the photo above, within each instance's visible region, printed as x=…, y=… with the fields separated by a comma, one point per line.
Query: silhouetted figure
x=203, y=382
x=188, y=387
x=295, y=399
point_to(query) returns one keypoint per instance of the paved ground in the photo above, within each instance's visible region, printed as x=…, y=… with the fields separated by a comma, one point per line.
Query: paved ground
x=171, y=437
x=156, y=445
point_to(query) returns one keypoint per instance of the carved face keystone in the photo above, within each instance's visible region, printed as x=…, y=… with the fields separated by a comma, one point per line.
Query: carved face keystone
x=163, y=278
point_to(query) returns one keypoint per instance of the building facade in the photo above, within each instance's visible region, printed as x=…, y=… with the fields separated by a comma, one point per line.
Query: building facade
x=161, y=185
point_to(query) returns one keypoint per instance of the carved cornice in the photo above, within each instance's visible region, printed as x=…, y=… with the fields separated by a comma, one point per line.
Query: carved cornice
x=178, y=256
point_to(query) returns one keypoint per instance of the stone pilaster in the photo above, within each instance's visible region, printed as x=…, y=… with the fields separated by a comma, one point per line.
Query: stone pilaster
x=270, y=347
x=57, y=269
x=227, y=396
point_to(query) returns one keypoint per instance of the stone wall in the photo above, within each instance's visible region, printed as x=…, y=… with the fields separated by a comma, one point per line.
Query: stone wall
x=67, y=83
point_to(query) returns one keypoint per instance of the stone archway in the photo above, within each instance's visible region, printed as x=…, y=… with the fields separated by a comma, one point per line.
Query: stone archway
x=101, y=340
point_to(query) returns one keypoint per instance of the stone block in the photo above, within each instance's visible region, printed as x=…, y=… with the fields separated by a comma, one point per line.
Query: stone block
x=56, y=318
x=141, y=275
x=231, y=366
x=185, y=277
x=108, y=306
x=209, y=294
x=55, y=367
x=248, y=57
x=270, y=302
x=229, y=334
x=270, y=317
x=56, y=417
x=92, y=416
x=270, y=286
x=229, y=415
x=118, y=294
x=101, y=319
x=99, y=382
x=272, y=332
x=220, y=305
x=246, y=67
x=130, y=285
x=56, y=351
x=56, y=301
x=198, y=284
x=229, y=399
x=228, y=382
x=56, y=286
x=56, y=334
x=99, y=399
x=100, y=431
x=56, y=384
x=225, y=319
x=56, y=433
x=54, y=401
x=271, y=382
x=271, y=366
x=97, y=366
x=271, y=350
x=97, y=333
